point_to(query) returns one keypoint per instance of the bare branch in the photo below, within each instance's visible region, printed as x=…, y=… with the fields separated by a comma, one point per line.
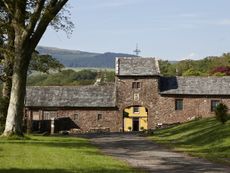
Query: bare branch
x=50, y=12
x=35, y=16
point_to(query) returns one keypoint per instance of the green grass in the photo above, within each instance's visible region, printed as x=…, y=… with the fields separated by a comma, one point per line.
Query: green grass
x=55, y=155
x=206, y=138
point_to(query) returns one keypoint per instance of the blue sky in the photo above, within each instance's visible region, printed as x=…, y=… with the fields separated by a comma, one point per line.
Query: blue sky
x=166, y=29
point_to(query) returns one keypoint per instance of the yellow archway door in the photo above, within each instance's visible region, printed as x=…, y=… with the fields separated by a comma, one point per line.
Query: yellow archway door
x=135, y=118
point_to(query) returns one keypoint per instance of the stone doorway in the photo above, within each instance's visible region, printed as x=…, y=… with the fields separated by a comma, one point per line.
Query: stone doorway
x=135, y=118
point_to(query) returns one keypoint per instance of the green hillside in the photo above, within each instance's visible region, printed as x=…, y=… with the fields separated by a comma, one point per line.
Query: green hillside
x=212, y=65
x=206, y=138
x=76, y=58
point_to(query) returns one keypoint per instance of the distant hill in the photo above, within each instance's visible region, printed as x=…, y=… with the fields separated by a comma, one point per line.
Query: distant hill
x=76, y=58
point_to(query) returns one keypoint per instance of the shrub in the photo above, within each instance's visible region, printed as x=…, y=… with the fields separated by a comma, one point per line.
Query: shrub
x=224, y=70
x=221, y=112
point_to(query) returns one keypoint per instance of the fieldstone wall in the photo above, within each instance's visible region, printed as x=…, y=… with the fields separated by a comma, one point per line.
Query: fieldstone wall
x=193, y=107
x=145, y=96
x=85, y=119
x=161, y=107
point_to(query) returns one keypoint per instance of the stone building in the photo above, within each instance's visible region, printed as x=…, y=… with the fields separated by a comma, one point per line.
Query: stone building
x=139, y=99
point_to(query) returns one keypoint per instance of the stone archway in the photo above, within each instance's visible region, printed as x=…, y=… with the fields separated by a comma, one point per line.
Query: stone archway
x=135, y=118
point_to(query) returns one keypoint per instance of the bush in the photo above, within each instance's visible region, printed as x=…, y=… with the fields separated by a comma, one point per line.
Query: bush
x=225, y=70
x=221, y=113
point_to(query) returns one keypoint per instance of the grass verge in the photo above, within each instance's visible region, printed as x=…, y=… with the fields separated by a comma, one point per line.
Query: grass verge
x=55, y=155
x=205, y=138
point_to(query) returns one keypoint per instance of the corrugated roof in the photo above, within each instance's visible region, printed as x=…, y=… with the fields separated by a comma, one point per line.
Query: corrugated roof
x=65, y=96
x=195, y=85
x=136, y=66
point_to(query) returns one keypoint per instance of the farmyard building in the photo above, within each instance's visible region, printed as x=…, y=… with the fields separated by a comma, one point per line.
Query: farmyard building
x=140, y=99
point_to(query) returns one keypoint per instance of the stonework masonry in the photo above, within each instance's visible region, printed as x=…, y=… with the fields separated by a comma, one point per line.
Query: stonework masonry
x=85, y=119
x=193, y=107
x=137, y=83
x=147, y=94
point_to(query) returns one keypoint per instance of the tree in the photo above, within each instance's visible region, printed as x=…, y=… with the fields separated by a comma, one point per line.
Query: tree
x=191, y=72
x=221, y=112
x=44, y=63
x=25, y=22
x=167, y=68
x=41, y=63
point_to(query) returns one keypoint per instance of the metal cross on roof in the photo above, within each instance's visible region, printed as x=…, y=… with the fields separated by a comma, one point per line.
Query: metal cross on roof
x=137, y=50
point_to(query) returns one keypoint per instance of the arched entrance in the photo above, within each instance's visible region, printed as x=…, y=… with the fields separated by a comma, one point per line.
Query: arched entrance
x=135, y=118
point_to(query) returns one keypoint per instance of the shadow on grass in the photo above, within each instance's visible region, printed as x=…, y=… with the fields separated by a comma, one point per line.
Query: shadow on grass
x=207, y=132
x=52, y=144
x=196, y=124
x=66, y=143
x=96, y=170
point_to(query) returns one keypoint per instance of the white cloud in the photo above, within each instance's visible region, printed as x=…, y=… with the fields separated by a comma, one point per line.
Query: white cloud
x=192, y=56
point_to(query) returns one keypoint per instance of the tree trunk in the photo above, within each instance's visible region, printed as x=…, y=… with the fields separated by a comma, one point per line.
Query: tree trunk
x=6, y=94
x=15, y=110
x=6, y=89
x=5, y=101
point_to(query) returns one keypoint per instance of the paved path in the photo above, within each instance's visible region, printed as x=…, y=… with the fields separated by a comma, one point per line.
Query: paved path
x=142, y=153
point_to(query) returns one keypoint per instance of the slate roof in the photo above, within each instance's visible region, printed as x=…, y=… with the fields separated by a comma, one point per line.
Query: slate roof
x=65, y=96
x=195, y=85
x=136, y=66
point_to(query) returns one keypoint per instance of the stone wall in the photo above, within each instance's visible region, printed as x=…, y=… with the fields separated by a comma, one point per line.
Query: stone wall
x=145, y=96
x=85, y=119
x=193, y=106
x=161, y=108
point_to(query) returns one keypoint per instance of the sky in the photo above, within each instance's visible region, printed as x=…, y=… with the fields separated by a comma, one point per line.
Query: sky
x=165, y=29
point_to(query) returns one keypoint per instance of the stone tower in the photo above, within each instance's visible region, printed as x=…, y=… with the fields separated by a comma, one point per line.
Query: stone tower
x=137, y=88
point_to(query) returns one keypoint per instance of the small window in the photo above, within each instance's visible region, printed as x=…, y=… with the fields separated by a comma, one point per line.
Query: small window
x=136, y=85
x=179, y=104
x=75, y=116
x=99, y=116
x=214, y=103
x=136, y=109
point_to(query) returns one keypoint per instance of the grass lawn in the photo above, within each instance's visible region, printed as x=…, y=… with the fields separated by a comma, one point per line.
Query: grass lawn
x=205, y=138
x=56, y=155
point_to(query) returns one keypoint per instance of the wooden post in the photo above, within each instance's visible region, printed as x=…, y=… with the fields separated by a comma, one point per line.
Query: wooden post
x=41, y=118
x=29, y=121
x=52, y=126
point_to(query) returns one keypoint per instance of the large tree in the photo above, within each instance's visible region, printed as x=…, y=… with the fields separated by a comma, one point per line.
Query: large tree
x=25, y=22
x=39, y=63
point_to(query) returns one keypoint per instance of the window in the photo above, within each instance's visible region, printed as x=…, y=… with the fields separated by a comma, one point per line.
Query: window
x=179, y=104
x=214, y=103
x=99, y=116
x=136, y=109
x=136, y=85
x=75, y=116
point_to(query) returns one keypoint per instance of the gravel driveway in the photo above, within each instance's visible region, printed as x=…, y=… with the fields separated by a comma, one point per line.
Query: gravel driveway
x=142, y=153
